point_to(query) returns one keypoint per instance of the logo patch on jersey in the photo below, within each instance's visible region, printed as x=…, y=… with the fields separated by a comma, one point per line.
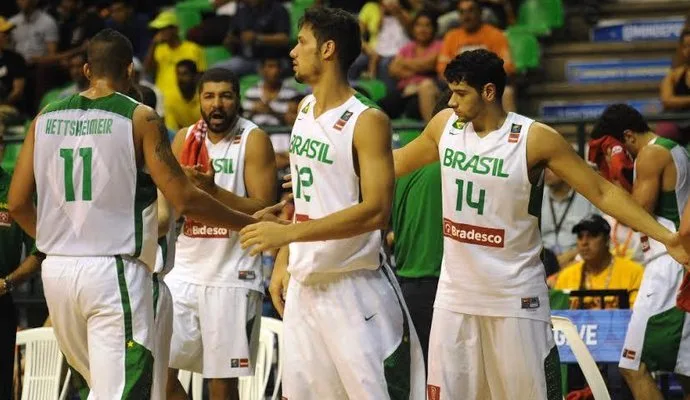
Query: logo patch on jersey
x=340, y=124
x=239, y=363
x=301, y=217
x=195, y=229
x=238, y=138
x=305, y=109
x=246, y=275
x=479, y=235
x=529, y=303
x=433, y=392
x=514, y=135
x=629, y=354
x=644, y=241
x=458, y=124
x=5, y=219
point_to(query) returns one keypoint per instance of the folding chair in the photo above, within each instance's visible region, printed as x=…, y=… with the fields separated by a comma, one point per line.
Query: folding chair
x=43, y=365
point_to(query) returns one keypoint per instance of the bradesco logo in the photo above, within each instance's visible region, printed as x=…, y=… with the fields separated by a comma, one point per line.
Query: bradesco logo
x=472, y=234
x=198, y=230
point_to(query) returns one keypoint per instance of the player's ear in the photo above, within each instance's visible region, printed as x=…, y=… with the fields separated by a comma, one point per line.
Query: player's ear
x=629, y=136
x=87, y=71
x=328, y=49
x=489, y=92
x=130, y=71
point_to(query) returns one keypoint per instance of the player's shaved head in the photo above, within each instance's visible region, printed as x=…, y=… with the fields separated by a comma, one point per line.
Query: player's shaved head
x=109, y=54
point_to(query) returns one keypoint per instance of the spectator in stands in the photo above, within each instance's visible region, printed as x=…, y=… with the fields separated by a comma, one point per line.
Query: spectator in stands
x=139, y=79
x=415, y=67
x=562, y=208
x=261, y=30
x=36, y=33
x=383, y=27
x=599, y=269
x=167, y=50
x=133, y=25
x=212, y=30
x=272, y=103
x=675, y=93
x=14, y=243
x=12, y=66
x=473, y=34
x=182, y=104
x=498, y=13
x=77, y=23
x=76, y=74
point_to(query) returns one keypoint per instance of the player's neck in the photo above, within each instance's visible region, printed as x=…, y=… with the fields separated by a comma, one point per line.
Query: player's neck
x=330, y=91
x=489, y=120
x=643, y=140
x=598, y=264
x=100, y=87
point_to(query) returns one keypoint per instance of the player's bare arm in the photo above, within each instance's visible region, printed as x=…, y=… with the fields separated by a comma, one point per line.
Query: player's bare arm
x=164, y=215
x=259, y=177
x=547, y=148
x=279, y=279
x=20, y=197
x=372, y=143
x=424, y=149
x=649, y=167
x=171, y=180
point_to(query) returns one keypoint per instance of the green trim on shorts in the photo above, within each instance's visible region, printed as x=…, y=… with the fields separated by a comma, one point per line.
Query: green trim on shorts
x=396, y=367
x=79, y=383
x=138, y=359
x=156, y=294
x=662, y=340
x=552, y=374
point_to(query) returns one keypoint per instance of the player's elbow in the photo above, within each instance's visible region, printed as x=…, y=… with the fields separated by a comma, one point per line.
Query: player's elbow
x=183, y=203
x=380, y=217
x=16, y=208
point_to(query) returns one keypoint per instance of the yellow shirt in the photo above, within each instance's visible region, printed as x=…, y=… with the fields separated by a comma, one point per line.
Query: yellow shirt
x=370, y=16
x=624, y=274
x=179, y=112
x=167, y=58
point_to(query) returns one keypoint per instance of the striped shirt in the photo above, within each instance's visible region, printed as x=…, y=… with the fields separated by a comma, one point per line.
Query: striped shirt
x=279, y=105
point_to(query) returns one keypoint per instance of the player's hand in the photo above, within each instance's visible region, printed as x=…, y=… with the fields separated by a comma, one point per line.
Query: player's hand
x=676, y=248
x=203, y=180
x=278, y=287
x=288, y=181
x=264, y=236
x=270, y=213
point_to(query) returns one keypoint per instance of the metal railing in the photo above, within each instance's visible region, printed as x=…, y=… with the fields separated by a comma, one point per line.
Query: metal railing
x=579, y=122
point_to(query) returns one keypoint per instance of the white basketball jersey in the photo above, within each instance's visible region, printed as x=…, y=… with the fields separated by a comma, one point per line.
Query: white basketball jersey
x=92, y=198
x=670, y=205
x=492, y=244
x=325, y=182
x=213, y=256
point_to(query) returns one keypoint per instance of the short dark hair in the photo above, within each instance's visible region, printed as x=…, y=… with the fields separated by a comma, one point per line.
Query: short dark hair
x=109, y=54
x=477, y=68
x=336, y=25
x=616, y=119
x=189, y=64
x=220, y=75
x=432, y=17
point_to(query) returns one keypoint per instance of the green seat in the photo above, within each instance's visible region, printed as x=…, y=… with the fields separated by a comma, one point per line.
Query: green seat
x=401, y=137
x=555, y=12
x=524, y=48
x=533, y=16
x=10, y=156
x=300, y=87
x=215, y=54
x=189, y=14
x=374, y=88
x=51, y=96
x=559, y=300
x=297, y=9
x=248, y=81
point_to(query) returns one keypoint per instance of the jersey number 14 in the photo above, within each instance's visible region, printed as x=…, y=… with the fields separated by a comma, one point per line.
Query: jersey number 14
x=86, y=154
x=465, y=194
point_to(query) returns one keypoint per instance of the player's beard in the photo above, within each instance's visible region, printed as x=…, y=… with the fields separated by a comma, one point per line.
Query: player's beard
x=219, y=128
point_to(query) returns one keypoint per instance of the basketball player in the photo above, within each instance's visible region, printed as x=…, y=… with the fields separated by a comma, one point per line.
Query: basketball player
x=658, y=337
x=95, y=159
x=347, y=331
x=492, y=302
x=217, y=286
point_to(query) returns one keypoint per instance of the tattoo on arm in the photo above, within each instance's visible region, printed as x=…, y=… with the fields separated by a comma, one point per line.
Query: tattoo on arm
x=163, y=150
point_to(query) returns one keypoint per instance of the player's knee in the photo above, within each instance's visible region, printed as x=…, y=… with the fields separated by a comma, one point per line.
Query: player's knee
x=428, y=85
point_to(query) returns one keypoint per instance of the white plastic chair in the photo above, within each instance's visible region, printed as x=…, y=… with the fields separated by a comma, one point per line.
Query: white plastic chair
x=43, y=365
x=584, y=358
x=254, y=387
x=276, y=327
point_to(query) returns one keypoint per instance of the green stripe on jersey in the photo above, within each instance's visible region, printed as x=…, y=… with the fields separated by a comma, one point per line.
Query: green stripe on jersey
x=145, y=194
x=115, y=102
x=366, y=101
x=665, y=143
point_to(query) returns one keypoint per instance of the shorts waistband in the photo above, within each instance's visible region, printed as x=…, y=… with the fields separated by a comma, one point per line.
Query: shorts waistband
x=423, y=279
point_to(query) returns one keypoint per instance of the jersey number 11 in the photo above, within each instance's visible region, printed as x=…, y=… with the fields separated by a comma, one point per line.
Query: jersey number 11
x=67, y=155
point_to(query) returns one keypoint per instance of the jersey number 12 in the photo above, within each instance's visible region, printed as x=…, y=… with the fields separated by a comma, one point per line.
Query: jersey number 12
x=67, y=155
